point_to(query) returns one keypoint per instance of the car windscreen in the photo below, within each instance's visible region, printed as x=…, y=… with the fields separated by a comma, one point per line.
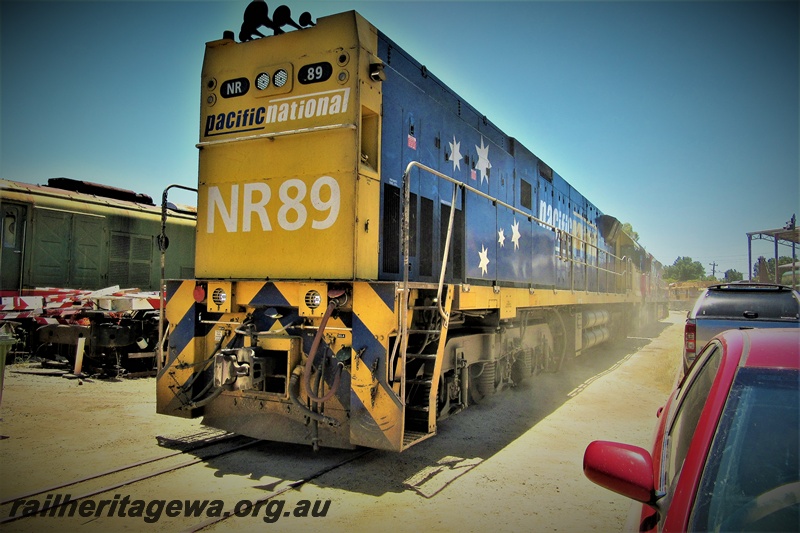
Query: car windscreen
x=765, y=304
x=751, y=481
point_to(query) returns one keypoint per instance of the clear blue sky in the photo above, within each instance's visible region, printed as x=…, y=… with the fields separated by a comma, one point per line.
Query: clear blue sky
x=678, y=117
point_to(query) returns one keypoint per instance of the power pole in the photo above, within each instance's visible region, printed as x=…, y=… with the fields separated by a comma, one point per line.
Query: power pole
x=713, y=269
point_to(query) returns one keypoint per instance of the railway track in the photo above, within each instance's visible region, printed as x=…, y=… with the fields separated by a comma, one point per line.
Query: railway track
x=108, y=480
x=228, y=513
x=103, y=482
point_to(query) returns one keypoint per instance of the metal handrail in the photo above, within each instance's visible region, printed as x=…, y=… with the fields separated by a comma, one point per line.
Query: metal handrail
x=458, y=184
x=163, y=243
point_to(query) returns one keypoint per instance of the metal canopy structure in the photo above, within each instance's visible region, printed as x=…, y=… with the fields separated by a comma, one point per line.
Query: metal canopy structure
x=789, y=235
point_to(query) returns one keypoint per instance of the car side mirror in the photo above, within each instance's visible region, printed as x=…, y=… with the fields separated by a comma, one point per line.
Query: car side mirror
x=622, y=468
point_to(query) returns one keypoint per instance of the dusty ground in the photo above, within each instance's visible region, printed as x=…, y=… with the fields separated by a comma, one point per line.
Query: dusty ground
x=512, y=463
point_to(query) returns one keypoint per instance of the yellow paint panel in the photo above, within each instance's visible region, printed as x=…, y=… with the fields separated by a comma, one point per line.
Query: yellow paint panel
x=180, y=302
x=367, y=228
x=379, y=424
x=373, y=312
x=376, y=411
x=290, y=291
x=247, y=290
x=510, y=298
x=252, y=88
x=279, y=153
x=262, y=198
x=180, y=366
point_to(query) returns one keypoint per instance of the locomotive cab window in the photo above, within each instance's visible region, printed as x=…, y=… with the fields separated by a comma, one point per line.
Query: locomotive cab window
x=9, y=230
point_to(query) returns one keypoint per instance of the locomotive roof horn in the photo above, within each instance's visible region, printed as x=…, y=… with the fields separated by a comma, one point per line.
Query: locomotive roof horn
x=256, y=15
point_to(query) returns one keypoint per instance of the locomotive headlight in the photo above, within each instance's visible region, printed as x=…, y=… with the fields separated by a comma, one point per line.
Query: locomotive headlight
x=262, y=81
x=313, y=299
x=219, y=296
x=280, y=78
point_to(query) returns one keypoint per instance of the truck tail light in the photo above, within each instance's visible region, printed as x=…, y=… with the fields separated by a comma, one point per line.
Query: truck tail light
x=689, y=339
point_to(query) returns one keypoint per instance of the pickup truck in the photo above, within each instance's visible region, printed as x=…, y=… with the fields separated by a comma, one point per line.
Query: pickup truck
x=738, y=305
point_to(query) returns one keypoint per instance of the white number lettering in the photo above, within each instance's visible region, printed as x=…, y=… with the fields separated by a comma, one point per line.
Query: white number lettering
x=292, y=204
x=228, y=217
x=331, y=204
x=249, y=207
x=292, y=213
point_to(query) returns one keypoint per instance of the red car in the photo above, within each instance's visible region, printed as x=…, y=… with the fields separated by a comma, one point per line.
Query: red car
x=725, y=456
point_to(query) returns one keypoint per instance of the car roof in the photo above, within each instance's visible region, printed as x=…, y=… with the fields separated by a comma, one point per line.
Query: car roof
x=748, y=285
x=777, y=348
x=767, y=301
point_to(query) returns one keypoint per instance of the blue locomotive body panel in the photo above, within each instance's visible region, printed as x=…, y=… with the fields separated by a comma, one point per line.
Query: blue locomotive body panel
x=425, y=121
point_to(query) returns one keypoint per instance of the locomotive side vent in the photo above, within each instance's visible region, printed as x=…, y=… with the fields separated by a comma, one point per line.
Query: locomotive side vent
x=426, y=237
x=390, y=240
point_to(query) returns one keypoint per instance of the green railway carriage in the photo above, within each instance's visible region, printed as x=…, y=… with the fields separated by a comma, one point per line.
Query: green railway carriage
x=77, y=235
x=81, y=268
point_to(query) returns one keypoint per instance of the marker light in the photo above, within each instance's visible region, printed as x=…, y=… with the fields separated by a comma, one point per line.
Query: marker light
x=262, y=81
x=199, y=293
x=280, y=78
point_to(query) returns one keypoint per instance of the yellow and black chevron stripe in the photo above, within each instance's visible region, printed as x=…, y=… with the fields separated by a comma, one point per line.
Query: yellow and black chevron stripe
x=361, y=333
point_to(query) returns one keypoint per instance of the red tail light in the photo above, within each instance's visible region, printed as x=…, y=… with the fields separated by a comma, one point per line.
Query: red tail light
x=689, y=344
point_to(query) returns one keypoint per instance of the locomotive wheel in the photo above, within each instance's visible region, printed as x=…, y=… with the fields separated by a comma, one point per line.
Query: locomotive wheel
x=482, y=380
x=520, y=370
x=527, y=357
x=553, y=358
x=554, y=355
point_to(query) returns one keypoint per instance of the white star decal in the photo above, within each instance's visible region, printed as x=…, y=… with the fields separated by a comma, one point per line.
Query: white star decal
x=483, y=161
x=501, y=238
x=484, y=255
x=515, y=234
x=455, y=154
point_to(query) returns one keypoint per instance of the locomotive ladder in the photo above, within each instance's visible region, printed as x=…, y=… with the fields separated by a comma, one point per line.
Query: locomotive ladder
x=423, y=348
x=422, y=344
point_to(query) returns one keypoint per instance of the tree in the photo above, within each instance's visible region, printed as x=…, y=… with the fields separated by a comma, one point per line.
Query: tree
x=684, y=269
x=769, y=274
x=627, y=228
x=733, y=275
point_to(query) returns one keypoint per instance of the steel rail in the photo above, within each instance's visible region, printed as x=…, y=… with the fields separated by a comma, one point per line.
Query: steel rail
x=124, y=483
x=290, y=486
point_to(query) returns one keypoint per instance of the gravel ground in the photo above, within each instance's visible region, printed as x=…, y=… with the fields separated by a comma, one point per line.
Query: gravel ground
x=511, y=463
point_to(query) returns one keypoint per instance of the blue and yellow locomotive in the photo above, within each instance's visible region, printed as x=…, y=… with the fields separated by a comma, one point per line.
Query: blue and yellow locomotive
x=372, y=254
